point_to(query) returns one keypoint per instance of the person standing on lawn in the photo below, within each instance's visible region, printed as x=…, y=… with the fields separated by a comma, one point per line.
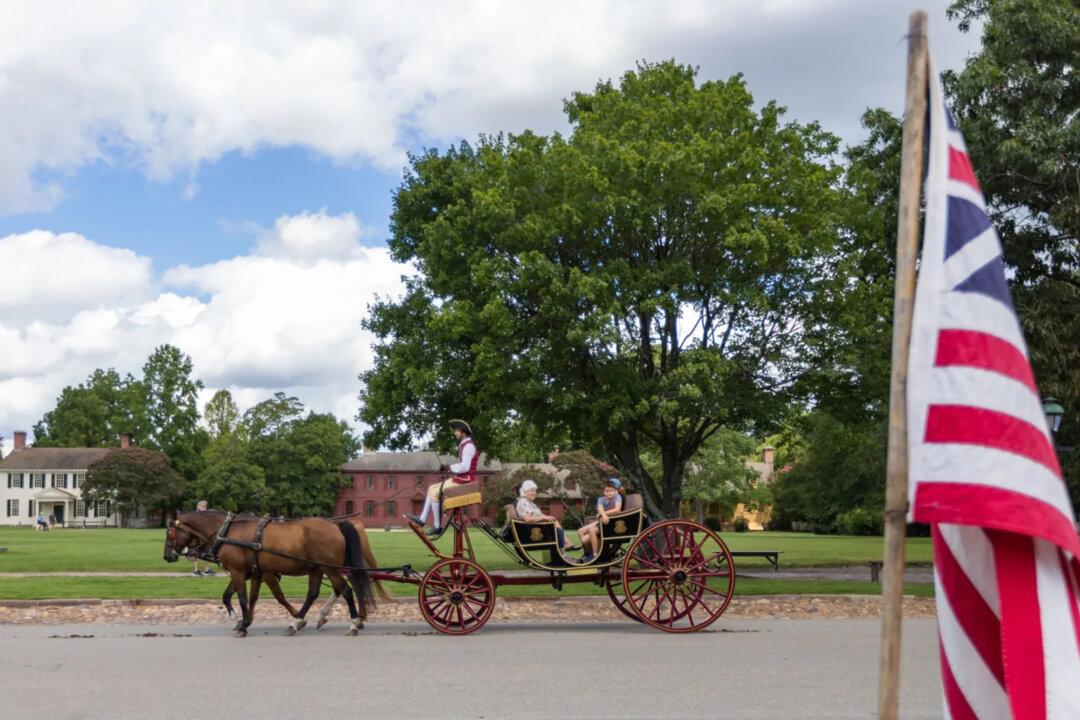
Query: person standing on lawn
x=465, y=473
x=201, y=507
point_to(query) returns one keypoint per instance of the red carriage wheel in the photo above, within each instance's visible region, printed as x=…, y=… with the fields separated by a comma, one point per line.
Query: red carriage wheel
x=456, y=596
x=678, y=576
x=614, y=591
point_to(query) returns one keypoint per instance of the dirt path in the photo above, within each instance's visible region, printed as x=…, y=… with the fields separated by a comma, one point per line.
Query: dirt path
x=406, y=610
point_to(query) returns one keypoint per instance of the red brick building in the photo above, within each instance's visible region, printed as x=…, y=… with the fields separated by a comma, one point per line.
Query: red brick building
x=384, y=485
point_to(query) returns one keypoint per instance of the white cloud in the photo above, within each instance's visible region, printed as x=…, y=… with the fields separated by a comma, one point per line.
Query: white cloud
x=284, y=318
x=171, y=86
x=312, y=236
x=49, y=275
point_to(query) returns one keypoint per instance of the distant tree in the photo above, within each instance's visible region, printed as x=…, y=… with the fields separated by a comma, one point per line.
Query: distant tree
x=133, y=479
x=221, y=414
x=94, y=413
x=300, y=456
x=171, y=401
x=229, y=478
x=718, y=473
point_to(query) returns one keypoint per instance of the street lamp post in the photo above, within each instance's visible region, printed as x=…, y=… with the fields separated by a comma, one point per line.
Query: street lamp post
x=1054, y=413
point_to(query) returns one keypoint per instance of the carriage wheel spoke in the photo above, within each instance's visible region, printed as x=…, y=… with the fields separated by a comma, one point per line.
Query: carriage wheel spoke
x=706, y=561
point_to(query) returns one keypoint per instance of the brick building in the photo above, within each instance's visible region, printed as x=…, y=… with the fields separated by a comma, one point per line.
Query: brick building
x=384, y=485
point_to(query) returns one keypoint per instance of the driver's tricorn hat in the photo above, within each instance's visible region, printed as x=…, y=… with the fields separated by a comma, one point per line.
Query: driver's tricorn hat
x=462, y=426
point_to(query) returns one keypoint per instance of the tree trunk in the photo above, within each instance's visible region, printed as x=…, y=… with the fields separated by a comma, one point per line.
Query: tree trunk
x=699, y=506
x=672, y=484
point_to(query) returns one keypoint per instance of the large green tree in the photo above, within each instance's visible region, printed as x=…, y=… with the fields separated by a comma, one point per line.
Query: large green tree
x=170, y=399
x=635, y=286
x=229, y=478
x=300, y=455
x=133, y=479
x=94, y=413
x=1017, y=102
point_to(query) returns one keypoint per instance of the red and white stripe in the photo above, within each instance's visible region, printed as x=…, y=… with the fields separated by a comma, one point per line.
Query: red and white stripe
x=984, y=471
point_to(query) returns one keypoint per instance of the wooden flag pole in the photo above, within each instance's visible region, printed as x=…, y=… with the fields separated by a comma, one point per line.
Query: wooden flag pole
x=896, y=472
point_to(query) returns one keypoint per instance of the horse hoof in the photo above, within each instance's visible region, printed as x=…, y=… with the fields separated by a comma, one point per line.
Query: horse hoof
x=301, y=624
x=290, y=631
x=240, y=633
x=353, y=632
x=322, y=621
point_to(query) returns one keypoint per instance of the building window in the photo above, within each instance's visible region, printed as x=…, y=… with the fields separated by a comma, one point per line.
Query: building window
x=419, y=482
x=102, y=509
x=370, y=508
x=59, y=480
x=77, y=480
x=370, y=482
x=391, y=509
x=37, y=480
x=15, y=480
x=31, y=506
x=12, y=507
x=391, y=482
x=80, y=508
x=349, y=507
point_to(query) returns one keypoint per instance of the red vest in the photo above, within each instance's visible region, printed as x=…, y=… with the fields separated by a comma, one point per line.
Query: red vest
x=470, y=474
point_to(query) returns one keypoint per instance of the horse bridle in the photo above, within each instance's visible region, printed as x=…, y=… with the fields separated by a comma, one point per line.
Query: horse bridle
x=196, y=549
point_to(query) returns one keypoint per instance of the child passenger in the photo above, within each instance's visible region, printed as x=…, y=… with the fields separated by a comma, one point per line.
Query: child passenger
x=610, y=502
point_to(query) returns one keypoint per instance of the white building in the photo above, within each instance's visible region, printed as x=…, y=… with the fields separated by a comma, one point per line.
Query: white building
x=48, y=481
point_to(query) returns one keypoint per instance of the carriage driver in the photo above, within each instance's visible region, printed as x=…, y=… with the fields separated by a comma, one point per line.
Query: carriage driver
x=465, y=472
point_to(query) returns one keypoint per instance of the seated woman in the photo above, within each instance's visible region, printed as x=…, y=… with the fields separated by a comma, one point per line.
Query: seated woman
x=529, y=512
x=611, y=501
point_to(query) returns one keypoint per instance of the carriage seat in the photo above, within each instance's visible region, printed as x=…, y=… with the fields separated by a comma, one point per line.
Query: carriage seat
x=511, y=514
x=461, y=495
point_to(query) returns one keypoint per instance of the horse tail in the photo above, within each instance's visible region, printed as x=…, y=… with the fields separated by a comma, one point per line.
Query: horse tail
x=369, y=558
x=354, y=558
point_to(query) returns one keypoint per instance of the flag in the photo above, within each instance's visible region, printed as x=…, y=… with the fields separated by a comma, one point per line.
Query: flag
x=982, y=466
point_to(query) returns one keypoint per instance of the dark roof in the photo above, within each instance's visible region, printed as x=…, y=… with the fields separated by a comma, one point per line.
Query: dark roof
x=53, y=458
x=421, y=461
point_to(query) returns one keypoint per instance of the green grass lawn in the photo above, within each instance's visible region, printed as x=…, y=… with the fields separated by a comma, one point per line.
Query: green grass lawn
x=141, y=550
x=104, y=550
x=157, y=587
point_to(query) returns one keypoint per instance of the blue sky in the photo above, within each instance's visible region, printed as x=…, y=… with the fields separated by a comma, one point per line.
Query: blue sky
x=223, y=181
x=117, y=204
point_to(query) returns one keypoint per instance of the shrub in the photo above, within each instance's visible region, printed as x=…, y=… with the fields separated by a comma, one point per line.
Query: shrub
x=859, y=521
x=500, y=517
x=712, y=523
x=741, y=524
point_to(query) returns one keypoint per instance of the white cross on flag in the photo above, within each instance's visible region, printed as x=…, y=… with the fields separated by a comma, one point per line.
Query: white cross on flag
x=982, y=466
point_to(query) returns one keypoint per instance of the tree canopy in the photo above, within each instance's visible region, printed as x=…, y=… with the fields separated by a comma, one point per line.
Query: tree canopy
x=637, y=285
x=133, y=479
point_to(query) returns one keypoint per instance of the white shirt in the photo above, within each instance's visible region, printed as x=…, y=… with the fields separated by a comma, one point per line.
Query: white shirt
x=468, y=451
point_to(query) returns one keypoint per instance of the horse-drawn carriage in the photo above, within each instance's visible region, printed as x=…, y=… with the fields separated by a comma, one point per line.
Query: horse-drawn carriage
x=674, y=575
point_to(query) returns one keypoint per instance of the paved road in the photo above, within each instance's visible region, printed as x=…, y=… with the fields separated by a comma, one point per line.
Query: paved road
x=737, y=669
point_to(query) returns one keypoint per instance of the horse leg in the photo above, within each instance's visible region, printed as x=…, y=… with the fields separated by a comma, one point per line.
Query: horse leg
x=239, y=586
x=313, y=585
x=256, y=583
x=350, y=600
x=274, y=584
x=226, y=599
x=324, y=612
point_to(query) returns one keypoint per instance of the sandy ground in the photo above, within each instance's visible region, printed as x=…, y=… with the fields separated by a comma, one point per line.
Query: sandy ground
x=406, y=610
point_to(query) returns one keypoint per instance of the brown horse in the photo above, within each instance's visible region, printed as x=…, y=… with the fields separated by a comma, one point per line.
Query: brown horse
x=314, y=547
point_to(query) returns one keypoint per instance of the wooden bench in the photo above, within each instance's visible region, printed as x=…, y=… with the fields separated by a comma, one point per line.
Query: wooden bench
x=773, y=556
x=84, y=523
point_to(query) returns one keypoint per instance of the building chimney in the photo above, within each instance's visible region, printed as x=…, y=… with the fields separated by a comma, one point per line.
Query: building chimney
x=769, y=458
x=20, y=440
x=125, y=441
